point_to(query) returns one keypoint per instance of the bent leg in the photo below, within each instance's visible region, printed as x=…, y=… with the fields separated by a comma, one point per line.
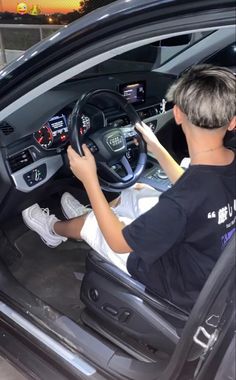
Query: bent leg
x=70, y=228
x=92, y=234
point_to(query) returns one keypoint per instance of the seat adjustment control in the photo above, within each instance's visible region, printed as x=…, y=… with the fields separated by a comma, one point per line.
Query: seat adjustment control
x=93, y=294
x=110, y=310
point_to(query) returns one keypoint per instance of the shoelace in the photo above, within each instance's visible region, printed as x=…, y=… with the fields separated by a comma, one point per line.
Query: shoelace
x=46, y=211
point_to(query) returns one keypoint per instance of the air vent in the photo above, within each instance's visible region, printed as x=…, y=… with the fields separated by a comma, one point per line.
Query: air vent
x=147, y=112
x=20, y=160
x=6, y=128
x=119, y=122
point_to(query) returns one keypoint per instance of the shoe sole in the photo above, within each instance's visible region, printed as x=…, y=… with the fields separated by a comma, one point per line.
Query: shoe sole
x=45, y=242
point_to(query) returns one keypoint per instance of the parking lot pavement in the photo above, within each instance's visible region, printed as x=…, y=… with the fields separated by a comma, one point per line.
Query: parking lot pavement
x=8, y=372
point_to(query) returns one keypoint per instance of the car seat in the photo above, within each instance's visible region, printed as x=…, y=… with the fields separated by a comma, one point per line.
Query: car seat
x=122, y=304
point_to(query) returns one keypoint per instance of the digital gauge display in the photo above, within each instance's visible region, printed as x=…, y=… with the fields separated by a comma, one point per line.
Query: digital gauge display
x=54, y=133
x=44, y=136
x=85, y=124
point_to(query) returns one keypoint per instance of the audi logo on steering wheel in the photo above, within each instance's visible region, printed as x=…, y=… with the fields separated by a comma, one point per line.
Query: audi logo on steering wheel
x=115, y=142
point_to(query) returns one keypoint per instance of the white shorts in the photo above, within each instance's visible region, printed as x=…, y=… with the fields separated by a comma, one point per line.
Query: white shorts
x=133, y=203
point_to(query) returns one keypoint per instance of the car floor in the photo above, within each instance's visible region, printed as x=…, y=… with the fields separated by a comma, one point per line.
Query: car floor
x=52, y=274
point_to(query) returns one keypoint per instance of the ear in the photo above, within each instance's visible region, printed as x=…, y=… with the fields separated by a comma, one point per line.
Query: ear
x=232, y=124
x=178, y=114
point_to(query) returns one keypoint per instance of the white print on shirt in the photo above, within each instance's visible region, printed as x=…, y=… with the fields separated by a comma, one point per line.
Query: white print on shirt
x=223, y=213
x=230, y=210
x=211, y=215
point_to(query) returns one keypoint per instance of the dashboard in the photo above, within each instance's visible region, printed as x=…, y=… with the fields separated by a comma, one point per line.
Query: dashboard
x=30, y=167
x=33, y=140
x=54, y=134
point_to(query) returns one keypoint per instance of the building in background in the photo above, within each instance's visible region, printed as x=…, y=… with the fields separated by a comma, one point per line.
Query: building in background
x=36, y=20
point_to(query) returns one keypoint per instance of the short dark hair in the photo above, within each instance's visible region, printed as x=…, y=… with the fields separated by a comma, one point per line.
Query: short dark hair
x=206, y=94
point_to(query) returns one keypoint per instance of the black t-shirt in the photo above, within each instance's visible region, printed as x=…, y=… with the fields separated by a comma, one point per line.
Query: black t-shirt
x=176, y=243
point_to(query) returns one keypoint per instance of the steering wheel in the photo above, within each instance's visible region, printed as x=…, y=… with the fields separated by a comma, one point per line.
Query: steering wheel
x=109, y=144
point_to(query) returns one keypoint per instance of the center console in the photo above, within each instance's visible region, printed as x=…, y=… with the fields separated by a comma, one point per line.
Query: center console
x=155, y=176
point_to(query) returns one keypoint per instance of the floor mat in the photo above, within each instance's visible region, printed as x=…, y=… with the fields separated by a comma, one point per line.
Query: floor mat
x=54, y=275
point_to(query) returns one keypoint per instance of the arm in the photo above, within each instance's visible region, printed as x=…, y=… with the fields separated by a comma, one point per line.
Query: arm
x=168, y=164
x=84, y=168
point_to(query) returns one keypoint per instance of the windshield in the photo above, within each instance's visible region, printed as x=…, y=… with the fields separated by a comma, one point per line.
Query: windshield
x=148, y=57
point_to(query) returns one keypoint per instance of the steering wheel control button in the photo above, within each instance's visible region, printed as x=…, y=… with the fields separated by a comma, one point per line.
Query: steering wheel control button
x=35, y=175
x=93, y=294
x=92, y=147
x=129, y=134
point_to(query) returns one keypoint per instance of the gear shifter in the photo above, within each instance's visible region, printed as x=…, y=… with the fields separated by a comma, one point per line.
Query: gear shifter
x=161, y=174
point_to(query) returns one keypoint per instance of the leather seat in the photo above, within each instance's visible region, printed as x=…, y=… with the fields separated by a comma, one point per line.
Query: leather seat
x=122, y=304
x=114, y=296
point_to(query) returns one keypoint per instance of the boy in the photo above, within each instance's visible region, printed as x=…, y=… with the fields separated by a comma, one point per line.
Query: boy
x=173, y=244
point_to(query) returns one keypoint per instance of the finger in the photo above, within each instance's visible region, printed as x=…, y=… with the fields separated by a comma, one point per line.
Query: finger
x=138, y=126
x=86, y=150
x=145, y=126
x=69, y=152
x=73, y=153
x=136, y=142
x=141, y=127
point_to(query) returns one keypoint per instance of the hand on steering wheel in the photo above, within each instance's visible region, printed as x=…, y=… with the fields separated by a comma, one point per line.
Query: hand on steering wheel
x=84, y=168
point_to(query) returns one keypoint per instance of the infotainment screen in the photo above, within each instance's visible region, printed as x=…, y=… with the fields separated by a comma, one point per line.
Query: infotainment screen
x=133, y=92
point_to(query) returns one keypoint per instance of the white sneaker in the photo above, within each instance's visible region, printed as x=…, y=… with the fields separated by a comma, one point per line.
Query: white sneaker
x=71, y=207
x=40, y=221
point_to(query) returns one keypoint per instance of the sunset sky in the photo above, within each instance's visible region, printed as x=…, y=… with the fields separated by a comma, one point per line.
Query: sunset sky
x=47, y=6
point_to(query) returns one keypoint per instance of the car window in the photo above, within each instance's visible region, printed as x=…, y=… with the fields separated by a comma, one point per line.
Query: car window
x=225, y=57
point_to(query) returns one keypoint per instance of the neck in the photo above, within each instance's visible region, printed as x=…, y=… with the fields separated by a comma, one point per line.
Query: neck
x=218, y=156
x=206, y=148
x=200, y=155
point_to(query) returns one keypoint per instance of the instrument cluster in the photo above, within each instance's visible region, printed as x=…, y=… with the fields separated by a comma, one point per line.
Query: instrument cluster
x=54, y=133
